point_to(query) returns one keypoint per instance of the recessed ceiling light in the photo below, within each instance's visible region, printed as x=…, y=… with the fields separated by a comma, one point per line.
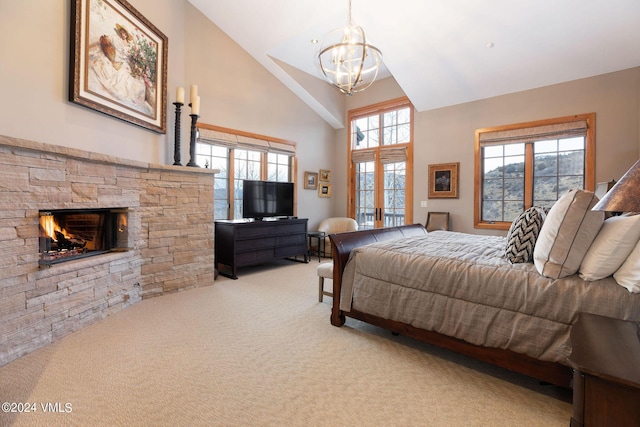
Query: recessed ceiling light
x=490, y=45
x=314, y=41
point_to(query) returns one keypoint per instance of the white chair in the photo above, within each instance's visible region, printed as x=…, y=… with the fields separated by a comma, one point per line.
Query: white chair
x=335, y=225
x=325, y=271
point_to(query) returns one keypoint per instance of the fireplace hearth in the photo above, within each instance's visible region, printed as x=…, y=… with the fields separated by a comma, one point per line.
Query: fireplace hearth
x=70, y=234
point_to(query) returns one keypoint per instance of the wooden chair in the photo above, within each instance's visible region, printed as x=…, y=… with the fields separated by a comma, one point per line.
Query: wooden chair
x=437, y=221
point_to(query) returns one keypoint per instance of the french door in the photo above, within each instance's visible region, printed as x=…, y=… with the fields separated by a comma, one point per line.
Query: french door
x=380, y=165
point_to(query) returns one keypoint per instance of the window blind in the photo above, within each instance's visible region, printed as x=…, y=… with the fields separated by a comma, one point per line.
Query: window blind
x=363, y=156
x=393, y=155
x=227, y=139
x=536, y=133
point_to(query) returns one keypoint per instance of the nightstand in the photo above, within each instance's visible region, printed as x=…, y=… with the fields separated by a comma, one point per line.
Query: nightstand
x=605, y=357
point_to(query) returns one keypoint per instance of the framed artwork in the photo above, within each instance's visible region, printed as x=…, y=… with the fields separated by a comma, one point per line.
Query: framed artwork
x=118, y=63
x=325, y=175
x=310, y=181
x=443, y=181
x=324, y=190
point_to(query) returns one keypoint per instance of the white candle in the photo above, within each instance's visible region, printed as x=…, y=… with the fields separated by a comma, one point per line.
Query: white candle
x=195, y=106
x=180, y=95
x=194, y=93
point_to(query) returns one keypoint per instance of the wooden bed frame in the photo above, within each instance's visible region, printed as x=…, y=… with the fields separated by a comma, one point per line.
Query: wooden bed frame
x=343, y=243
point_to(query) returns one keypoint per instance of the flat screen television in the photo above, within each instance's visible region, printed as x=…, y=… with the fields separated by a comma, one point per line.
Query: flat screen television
x=266, y=199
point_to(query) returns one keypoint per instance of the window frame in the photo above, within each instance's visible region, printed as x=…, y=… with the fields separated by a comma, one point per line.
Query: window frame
x=234, y=139
x=589, y=164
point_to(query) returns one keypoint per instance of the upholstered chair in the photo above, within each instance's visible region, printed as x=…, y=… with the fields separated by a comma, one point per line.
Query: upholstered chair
x=335, y=225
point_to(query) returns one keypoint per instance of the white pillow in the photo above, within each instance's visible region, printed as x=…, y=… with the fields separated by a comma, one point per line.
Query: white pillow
x=566, y=234
x=613, y=244
x=628, y=275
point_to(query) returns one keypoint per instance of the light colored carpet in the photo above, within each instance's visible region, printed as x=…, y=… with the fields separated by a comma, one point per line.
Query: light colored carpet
x=260, y=351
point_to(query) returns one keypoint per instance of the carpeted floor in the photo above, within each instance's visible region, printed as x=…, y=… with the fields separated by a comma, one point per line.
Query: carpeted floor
x=260, y=351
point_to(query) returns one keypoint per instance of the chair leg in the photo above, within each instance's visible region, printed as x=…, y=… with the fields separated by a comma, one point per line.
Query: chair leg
x=321, y=288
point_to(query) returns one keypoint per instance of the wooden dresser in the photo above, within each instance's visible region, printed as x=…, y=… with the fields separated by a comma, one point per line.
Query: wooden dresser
x=240, y=243
x=605, y=357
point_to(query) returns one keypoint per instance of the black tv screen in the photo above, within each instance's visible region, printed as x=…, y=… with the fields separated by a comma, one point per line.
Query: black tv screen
x=264, y=199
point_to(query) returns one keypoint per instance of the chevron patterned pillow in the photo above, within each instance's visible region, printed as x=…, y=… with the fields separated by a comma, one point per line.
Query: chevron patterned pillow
x=522, y=235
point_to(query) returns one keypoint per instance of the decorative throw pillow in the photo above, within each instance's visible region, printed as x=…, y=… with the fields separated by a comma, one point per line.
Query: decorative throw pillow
x=523, y=233
x=628, y=275
x=566, y=234
x=613, y=244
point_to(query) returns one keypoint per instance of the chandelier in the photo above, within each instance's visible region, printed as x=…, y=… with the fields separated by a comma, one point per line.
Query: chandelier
x=346, y=59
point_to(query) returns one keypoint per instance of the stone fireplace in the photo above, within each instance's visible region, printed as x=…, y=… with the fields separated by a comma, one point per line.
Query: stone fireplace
x=159, y=240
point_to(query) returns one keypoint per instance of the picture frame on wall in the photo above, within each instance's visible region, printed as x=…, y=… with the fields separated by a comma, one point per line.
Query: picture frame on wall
x=118, y=63
x=310, y=180
x=324, y=190
x=443, y=181
x=325, y=175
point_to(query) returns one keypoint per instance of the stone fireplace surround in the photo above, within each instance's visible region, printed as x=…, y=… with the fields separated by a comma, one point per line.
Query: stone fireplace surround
x=170, y=235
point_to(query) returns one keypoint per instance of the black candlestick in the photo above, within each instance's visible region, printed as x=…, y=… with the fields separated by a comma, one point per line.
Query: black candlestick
x=176, y=146
x=192, y=141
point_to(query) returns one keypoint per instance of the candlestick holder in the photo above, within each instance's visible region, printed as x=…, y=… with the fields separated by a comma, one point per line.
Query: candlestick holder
x=176, y=145
x=192, y=141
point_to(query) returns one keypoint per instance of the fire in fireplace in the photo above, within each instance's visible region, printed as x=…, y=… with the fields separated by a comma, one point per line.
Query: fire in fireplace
x=69, y=234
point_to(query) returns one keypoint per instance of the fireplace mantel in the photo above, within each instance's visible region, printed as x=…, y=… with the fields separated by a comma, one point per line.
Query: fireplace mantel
x=170, y=222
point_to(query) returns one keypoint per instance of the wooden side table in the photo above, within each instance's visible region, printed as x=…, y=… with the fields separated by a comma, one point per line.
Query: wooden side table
x=605, y=357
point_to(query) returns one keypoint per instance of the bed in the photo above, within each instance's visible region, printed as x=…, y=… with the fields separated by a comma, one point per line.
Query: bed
x=458, y=291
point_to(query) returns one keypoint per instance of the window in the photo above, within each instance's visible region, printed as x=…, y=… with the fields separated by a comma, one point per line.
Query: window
x=241, y=156
x=531, y=164
x=380, y=160
x=216, y=157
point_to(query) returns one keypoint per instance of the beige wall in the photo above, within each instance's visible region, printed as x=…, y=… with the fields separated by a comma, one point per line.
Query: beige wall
x=447, y=134
x=236, y=91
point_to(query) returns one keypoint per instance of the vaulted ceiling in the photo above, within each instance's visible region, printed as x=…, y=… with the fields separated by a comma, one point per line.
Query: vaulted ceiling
x=440, y=52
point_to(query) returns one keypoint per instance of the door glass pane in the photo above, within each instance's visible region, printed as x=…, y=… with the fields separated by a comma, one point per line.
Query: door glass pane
x=394, y=193
x=365, y=201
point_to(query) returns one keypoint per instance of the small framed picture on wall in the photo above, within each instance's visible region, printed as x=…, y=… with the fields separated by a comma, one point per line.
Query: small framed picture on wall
x=325, y=175
x=310, y=180
x=324, y=190
x=443, y=181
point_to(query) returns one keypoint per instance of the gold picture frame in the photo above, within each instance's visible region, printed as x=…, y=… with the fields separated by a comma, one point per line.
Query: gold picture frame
x=118, y=63
x=324, y=190
x=311, y=180
x=325, y=175
x=443, y=181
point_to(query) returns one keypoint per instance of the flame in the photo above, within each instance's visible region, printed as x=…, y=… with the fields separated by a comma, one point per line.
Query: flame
x=122, y=222
x=49, y=226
